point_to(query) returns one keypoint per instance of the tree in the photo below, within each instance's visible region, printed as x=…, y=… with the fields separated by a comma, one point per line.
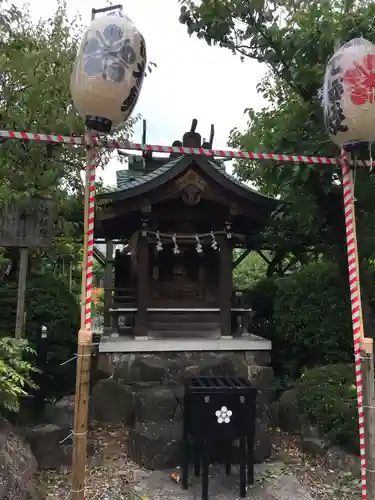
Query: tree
x=35, y=68
x=295, y=40
x=249, y=271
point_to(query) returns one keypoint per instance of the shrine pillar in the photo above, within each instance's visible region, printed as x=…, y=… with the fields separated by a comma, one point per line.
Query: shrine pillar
x=225, y=288
x=143, y=284
x=108, y=287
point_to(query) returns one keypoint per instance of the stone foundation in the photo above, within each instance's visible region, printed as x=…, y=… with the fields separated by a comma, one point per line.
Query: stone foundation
x=146, y=391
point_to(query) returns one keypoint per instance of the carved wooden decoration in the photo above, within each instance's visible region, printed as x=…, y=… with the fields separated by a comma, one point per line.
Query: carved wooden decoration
x=191, y=185
x=27, y=227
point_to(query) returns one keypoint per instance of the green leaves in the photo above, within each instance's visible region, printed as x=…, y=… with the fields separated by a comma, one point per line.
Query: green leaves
x=296, y=51
x=312, y=317
x=15, y=372
x=35, y=66
x=249, y=271
x=326, y=399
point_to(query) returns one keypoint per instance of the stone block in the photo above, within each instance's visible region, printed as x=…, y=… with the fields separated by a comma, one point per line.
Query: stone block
x=152, y=368
x=123, y=368
x=139, y=368
x=314, y=446
x=62, y=412
x=50, y=447
x=112, y=402
x=105, y=364
x=156, y=404
x=17, y=465
x=289, y=418
x=219, y=367
x=263, y=377
x=260, y=358
x=156, y=445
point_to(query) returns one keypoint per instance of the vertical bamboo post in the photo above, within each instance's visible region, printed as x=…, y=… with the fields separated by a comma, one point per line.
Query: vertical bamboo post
x=85, y=333
x=363, y=347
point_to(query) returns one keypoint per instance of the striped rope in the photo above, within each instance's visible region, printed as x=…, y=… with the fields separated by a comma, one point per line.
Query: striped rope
x=90, y=243
x=85, y=334
x=356, y=308
x=242, y=155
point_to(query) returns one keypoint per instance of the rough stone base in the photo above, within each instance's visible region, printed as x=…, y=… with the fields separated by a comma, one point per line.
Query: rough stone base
x=17, y=465
x=156, y=445
x=130, y=368
x=52, y=446
x=146, y=391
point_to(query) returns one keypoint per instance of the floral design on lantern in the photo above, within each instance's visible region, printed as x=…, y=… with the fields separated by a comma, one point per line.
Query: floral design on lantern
x=223, y=415
x=108, y=54
x=361, y=81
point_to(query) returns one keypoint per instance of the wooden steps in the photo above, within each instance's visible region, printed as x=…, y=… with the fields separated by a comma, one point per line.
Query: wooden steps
x=167, y=325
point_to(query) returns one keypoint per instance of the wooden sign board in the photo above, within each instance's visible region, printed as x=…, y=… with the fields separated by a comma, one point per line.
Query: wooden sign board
x=29, y=226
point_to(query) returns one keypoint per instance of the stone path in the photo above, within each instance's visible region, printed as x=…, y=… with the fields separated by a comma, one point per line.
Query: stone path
x=271, y=484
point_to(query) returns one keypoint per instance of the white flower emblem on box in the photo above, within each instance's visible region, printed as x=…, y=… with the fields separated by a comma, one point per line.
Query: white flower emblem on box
x=223, y=415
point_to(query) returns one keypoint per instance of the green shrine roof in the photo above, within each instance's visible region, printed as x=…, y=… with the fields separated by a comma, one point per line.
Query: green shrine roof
x=133, y=182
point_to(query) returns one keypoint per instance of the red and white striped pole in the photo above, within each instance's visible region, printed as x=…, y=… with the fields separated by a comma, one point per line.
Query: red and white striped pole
x=361, y=344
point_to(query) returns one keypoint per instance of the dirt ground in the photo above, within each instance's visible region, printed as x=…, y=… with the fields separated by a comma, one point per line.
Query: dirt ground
x=111, y=475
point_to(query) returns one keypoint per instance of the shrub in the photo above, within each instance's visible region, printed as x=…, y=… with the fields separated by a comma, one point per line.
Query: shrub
x=15, y=372
x=312, y=319
x=49, y=302
x=327, y=397
x=262, y=297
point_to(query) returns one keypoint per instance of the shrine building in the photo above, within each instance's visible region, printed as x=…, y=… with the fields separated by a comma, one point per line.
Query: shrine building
x=179, y=220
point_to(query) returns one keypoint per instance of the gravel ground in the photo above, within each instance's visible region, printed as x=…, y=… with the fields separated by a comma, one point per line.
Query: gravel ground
x=323, y=483
x=111, y=475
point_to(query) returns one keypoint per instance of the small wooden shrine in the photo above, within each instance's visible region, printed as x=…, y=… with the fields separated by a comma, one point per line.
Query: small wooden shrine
x=179, y=219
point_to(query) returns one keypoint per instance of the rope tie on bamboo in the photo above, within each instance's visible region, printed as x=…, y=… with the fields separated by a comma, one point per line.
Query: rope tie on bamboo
x=73, y=491
x=76, y=355
x=72, y=433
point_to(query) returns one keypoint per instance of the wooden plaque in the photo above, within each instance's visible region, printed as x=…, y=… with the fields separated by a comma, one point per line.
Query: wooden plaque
x=29, y=226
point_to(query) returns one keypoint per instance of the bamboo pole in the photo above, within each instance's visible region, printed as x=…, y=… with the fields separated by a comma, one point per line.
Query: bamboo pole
x=84, y=335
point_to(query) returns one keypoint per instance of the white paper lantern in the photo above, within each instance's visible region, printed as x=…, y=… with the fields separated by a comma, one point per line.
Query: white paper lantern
x=108, y=72
x=349, y=94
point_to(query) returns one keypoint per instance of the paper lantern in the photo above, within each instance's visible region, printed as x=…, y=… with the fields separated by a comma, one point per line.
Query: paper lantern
x=348, y=94
x=108, y=72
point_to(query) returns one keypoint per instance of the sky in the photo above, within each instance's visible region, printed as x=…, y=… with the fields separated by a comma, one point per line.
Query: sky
x=192, y=80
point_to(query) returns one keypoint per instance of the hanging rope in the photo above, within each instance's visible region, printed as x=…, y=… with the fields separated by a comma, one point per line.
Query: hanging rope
x=159, y=244
x=214, y=244
x=176, y=250
x=198, y=246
